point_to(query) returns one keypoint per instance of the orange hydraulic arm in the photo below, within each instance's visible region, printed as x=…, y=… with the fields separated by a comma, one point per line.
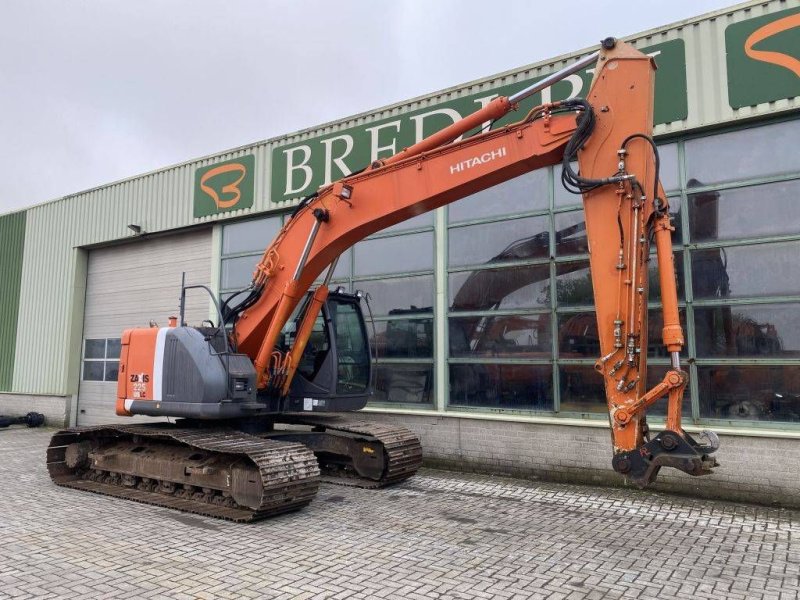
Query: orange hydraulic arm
x=624, y=204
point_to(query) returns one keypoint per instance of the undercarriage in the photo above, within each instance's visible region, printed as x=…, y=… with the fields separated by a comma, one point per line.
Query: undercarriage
x=225, y=473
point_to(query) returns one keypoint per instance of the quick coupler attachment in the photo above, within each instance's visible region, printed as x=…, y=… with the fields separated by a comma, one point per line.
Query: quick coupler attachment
x=668, y=449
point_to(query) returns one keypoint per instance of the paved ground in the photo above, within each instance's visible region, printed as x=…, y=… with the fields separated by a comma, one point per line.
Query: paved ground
x=440, y=535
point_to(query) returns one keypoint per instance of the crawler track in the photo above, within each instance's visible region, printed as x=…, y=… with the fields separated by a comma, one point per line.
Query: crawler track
x=289, y=472
x=401, y=448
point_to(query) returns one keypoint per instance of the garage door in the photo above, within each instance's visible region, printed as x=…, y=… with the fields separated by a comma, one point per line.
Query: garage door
x=127, y=286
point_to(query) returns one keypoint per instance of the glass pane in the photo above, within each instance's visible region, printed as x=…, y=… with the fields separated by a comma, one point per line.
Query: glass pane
x=501, y=336
x=112, y=348
x=753, y=393
x=525, y=193
x=404, y=384
x=238, y=272
x=655, y=375
x=351, y=347
x=398, y=295
x=510, y=288
x=316, y=350
x=526, y=387
x=668, y=156
x=342, y=270
x=517, y=239
x=778, y=212
x=571, y=233
x=578, y=337
x=574, y=283
x=581, y=389
x=758, y=270
x=561, y=196
x=654, y=281
x=94, y=349
x=766, y=330
x=418, y=222
x=402, y=338
x=93, y=370
x=249, y=236
x=111, y=370
x=395, y=254
x=751, y=152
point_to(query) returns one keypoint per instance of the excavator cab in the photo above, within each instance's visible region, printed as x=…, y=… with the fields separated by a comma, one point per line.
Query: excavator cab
x=334, y=373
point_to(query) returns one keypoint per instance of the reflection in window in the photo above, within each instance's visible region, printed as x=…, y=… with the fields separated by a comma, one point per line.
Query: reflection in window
x=404, y=384
x=342, y=270
x=571, y=233
x=502, y=386
x=668, y=169
x=581, y=389
x=509, y=288
x=743, y=154
x=94, y=349
x=525, y=193
x=396, y=254
x=729, y=214
x=501, y=336
x=574, y=283
x=238, y=272
x=578, y=337
x=418, y=222
x=753, y=393
x=398, y=295
x=766, y=330
x=517, y=239
x=249, y=236
x=757, y=270
x=402, y=338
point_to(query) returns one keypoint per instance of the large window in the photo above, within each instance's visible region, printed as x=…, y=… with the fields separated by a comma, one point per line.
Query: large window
x=394, y=271
x=521, y=322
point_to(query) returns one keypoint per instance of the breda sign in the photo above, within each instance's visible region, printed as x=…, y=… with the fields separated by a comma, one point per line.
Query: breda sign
x=299, y=169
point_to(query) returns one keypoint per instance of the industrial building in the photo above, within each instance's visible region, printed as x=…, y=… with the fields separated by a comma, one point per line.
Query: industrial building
x=510, y=262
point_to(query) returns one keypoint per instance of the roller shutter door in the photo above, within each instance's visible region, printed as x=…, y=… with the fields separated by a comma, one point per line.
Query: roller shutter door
x=129, y=285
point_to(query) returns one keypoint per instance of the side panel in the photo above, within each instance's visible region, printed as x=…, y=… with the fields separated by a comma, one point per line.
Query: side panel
x=12, y=239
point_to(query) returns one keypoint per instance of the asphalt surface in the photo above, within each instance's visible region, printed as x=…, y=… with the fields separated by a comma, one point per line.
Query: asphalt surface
x=439, y=535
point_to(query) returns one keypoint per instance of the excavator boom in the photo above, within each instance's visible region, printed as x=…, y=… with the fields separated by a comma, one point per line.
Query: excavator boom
x=610, y=135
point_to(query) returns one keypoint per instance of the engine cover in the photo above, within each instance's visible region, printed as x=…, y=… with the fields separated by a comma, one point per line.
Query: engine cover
x=176, y=371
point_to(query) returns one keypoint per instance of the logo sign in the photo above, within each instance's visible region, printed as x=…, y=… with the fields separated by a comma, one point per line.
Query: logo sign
x=764, y=58
x=299, y=169
x=224, y=186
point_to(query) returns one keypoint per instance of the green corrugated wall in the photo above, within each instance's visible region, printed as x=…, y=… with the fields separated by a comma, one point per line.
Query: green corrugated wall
x=12, y=246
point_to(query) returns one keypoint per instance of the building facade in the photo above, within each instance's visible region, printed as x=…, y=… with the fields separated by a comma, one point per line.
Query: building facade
x=483, y=326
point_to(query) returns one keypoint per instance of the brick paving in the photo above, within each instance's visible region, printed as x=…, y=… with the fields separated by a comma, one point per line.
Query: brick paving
x=440, y=535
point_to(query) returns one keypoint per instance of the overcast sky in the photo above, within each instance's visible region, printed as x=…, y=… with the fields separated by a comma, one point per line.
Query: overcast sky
x=96, y=91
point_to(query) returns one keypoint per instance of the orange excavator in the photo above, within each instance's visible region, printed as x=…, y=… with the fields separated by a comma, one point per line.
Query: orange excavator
x=254, y=394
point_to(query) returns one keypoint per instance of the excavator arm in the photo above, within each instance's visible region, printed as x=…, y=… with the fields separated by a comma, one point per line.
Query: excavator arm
x=610, y=134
